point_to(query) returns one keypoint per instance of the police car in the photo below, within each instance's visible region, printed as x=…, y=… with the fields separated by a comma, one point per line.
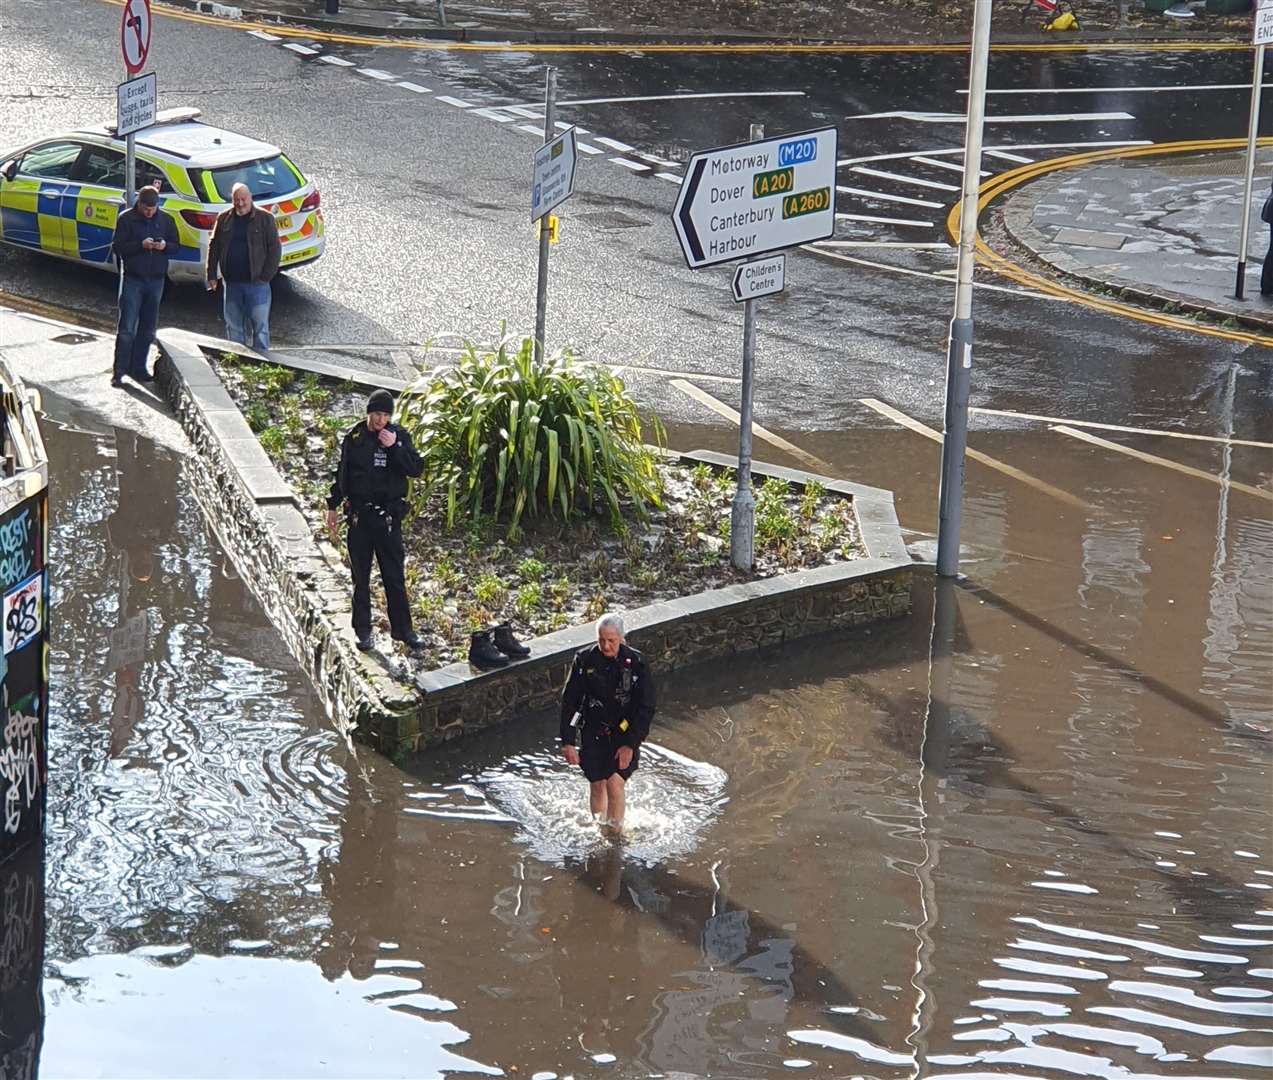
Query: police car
x=61, y=195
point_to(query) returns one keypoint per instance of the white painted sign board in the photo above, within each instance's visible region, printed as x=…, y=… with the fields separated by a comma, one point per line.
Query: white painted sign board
x=760, y=277
x=134, y=34
x=554, y=176
x=136, y=104
x=742, y=201
x=1263, y=27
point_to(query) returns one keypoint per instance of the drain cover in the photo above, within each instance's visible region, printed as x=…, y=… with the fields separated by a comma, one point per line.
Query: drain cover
x=73, y=339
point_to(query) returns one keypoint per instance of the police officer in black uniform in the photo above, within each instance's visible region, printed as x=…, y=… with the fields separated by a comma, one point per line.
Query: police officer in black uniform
x=606, y=709
x=376, y=460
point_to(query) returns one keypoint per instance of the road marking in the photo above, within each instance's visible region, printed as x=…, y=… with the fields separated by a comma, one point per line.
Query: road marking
x=674, y=178
x=1016, y=118
x=588, y=148
x=953, y=166
x=530, y=129
x=682, y=97
x=304, y=50
x=1166, y=463
x=900, y=179
x=337, y=61
x=614, y=144
x=1120, y=427
x=415, y=88
x=1018, y=158
x=720, y=408
x=459, y=103
x=821, y=246
x=1008, y=470
x=1122, y=89
x=528, y=111
x=375, y=73
x=884, y=244
x=884, y=220
x=907, y=154
x=263, y=35
x=890, y=198
x=635, y=166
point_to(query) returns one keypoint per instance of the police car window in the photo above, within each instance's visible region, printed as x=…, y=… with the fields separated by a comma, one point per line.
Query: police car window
x=150, y=174
x=53, y=161
x=103, y=167
x=264, y=178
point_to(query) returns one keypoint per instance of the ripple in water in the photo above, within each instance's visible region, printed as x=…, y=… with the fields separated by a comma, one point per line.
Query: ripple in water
x=671, y=801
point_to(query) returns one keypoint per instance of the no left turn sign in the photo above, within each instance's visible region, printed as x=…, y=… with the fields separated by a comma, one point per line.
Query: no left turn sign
x=134, y=34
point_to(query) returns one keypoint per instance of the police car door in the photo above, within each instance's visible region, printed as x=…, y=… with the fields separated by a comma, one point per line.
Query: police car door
x=98, y=202
x=33, y=202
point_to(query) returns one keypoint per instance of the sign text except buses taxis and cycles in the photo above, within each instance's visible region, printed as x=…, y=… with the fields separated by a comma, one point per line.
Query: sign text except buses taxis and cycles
x=136, y=104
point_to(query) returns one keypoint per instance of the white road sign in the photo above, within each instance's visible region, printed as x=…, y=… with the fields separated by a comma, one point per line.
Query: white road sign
x=760, y=277
x=1263, y=25
x=746, y=200
x=136, y=103
x=554, y=177
x=134, y=34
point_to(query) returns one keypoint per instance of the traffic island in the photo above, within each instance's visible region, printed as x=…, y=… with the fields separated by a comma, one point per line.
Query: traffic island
x=400, y=706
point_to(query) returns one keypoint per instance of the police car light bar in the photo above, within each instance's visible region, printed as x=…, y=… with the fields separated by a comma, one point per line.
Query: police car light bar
x=164, y=116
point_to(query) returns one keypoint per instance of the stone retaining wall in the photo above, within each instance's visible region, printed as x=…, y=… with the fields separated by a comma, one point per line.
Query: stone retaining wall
x=304, y=587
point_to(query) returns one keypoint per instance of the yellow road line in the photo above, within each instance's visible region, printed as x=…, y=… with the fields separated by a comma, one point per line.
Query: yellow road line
x=1166, y=463
x=720, y=408
x=830, y=48
x=1120, y=427
x=1008, y=470
x=999, y=264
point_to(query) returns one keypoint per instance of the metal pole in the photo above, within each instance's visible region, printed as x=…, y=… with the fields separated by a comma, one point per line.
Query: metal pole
x=541, y=288
x=1256, y=86
x=959, y=345
x=130, y=171
x=441, y=12
x=742, y=517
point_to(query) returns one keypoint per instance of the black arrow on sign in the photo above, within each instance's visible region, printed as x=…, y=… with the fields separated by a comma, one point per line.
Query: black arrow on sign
x=687, y=226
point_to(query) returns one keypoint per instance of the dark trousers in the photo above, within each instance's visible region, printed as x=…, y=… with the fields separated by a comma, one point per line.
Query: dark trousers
x=368, y=536
x=1266, y=275
x=138, y=314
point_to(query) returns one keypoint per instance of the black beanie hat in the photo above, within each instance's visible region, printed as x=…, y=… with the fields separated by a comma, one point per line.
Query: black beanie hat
x=380, y=401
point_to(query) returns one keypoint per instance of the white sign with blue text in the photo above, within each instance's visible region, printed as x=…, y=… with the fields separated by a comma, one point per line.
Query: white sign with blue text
x=554, y=176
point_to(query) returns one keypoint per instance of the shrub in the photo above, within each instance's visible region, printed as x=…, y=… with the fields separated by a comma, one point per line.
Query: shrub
x=257, y=416
x=531, y=570
x=503, y=434
x=774, y=523
x=813, y=492
x=489, y=591
x=273, y=440
x=528, y=598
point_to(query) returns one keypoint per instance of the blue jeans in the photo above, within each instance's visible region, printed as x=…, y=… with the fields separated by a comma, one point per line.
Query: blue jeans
x=247, y=313
x=138, y=313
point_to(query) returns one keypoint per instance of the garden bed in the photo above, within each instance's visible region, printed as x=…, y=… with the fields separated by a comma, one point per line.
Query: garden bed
x=554, y=573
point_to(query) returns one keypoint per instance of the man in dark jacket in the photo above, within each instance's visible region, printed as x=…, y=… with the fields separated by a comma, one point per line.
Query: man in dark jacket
x=606, y=710
x=145, y=239
x=244, y=252
x=376, y=460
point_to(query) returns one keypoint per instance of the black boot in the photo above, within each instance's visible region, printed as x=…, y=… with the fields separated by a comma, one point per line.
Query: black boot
x=483, y=653
x=506, y=643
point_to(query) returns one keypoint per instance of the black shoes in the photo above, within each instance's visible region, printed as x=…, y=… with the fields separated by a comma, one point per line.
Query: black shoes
x=116, y=381
x=366, y=642
x=483, y=653
x=506, y=643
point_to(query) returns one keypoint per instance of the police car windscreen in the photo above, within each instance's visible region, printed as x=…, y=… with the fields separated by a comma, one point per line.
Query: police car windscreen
x=265, y=178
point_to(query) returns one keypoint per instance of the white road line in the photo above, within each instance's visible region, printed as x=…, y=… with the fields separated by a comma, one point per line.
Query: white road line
x=923, y=246
x=530, y=129
x=635, y=166
x=459, y=103
x=528, y=111
x=884, y=220
x=493, y=114
x=671, y=178
x=264, y=36
x=1122, y=89
x=953, y=166
x=663, y=162
x=682, y=97
x=1119, y=427
x=1019, y=158
x=614, y=144
x=415, y=88
x=375, y=73
x=1166, y=463
x=336, y=61
x=889, y=198
x=899, y=155
x=822, y=246
x=899, y=417
x=1020, y=118
x=900, y=179
x=304, y=50
x=588, y=148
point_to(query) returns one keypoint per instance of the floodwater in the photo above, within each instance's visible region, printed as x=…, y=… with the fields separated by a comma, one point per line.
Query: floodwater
x=1024, y=833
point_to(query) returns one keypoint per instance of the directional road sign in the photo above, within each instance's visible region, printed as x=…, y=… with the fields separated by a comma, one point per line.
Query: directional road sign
x=1263, y=34
x=554, y=177
x=136, y=104
x=760, y=277
x=742, y=201
x=134, y=34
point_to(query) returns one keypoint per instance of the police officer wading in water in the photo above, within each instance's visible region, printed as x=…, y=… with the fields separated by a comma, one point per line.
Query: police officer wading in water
x=376, y=460
x=606, y=709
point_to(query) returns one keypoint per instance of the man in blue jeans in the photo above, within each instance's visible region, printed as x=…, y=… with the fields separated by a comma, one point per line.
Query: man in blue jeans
x=244, y=252
x=145, y=239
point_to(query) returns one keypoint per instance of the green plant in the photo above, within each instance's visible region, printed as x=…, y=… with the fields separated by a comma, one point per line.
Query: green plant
x=531, y=569
x=502, y=433
x=273, y=440
x=813, y=493
x=701, y=477
x=489, y=591
x=645, y=577
x=774, y=523
x=528, y=598
x=313, y=393
x=559, y=591
x=596, y=606
x=445, y=574
x=268, y=379
x=257, y=416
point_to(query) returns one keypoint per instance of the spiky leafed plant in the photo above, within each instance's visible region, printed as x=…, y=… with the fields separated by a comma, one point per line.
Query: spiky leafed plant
x=504, y=435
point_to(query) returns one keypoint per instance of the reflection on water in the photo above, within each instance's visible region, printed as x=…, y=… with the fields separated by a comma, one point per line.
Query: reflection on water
x=1025, y=834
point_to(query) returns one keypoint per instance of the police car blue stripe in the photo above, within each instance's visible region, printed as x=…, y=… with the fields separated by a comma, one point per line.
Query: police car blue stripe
x=95, y=241
x=20, y=226
x=50, y=205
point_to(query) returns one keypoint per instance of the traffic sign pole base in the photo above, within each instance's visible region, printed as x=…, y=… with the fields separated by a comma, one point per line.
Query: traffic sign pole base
x=742, y=530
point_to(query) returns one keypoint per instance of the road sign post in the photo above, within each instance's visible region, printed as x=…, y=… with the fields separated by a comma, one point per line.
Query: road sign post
x=1262, y=34
x=134, y=44
x=552, y=183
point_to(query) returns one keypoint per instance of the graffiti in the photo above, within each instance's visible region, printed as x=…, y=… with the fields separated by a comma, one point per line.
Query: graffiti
x=21, y=964
x=19, y=765
x=15, y=547
x=22, y=614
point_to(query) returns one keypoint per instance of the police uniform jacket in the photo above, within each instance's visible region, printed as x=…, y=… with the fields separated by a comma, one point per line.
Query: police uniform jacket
x=369, y=474
x=617, y=694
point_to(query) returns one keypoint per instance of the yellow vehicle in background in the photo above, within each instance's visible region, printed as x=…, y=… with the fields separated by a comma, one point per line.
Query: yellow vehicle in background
x=61, y=195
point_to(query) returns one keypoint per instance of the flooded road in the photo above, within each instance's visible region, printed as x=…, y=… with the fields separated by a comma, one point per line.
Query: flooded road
x=1025, y=833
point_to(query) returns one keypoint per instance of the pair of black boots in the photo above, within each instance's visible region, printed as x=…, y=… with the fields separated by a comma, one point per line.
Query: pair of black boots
x=495, y=647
